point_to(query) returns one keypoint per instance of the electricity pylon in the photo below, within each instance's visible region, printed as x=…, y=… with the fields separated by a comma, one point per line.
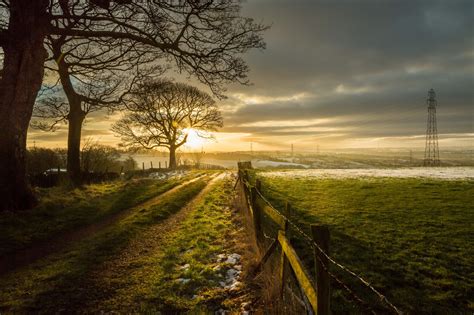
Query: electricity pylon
x=431, y=147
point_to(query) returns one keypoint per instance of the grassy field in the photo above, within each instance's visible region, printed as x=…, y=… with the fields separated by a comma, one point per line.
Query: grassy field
x=412, y=238
x=63, y=209
x=66, y=281
x=207, y=231
x=160, y=258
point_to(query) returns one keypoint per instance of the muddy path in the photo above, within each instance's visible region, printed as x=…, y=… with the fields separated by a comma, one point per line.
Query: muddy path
x=41, y=249
x=105, y=285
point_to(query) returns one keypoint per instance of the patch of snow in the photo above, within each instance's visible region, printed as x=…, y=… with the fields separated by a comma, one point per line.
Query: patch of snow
x=221, y=257
x=267, y=163
x=233, y=259
x=232, y=274
x=183, y=280
x=166, y=175
x=445, y=173
x=184, y=267
x=232, y=279
x=235, y=286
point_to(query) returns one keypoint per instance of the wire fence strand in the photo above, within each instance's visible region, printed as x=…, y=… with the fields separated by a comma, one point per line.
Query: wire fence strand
x=309, y=240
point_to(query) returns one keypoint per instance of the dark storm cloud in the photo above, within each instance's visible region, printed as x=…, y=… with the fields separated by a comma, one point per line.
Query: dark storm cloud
x=341, y=70
x=372, y=60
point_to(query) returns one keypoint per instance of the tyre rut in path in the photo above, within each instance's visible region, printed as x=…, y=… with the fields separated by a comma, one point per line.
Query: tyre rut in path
x=105, y=282
x=41, y=249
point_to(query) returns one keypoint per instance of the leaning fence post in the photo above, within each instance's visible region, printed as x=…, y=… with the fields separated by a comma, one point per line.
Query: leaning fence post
x=284, y=264
x=143, y=166
x=320, y=235
x=151, y=164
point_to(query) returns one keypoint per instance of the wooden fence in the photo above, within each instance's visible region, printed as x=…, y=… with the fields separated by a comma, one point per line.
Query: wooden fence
x=316, y=291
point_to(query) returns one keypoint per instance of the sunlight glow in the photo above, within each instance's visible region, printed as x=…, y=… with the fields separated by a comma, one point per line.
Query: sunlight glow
x=194, y=140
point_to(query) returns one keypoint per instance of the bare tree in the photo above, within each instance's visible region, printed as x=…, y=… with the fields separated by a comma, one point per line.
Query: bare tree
x=99, y=158
x=203, y=38
x=162, y=112
x=95, y=76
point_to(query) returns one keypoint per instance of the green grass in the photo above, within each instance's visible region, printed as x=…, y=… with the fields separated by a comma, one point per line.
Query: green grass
x=204, y=235
x=62, y=209
x=412, y=238
x=150, y=285
x=63, y=281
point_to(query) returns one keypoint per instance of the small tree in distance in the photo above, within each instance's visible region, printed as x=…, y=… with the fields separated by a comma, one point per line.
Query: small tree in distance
x=161, y=113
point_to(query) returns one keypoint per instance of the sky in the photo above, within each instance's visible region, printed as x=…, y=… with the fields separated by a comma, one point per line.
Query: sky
x=342, y=74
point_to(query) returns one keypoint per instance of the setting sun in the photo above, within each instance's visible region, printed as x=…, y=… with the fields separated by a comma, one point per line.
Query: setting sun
x=194, y=140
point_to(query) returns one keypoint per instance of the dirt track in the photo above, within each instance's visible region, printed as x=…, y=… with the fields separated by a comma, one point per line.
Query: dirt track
x=42, y=249
x=106, y=281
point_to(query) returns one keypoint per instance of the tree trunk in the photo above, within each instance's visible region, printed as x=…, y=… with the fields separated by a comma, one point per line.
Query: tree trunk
x=75, y=118
x=22, y=75
x=172, y=163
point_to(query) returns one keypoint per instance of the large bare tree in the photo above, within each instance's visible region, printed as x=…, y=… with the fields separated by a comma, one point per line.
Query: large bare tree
x=203, y=38
x=161, y=113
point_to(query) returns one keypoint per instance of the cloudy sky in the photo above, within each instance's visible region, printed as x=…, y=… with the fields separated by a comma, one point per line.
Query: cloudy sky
x=344, y=74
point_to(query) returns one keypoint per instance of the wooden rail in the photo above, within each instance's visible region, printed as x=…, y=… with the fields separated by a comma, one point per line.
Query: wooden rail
x=316, y=292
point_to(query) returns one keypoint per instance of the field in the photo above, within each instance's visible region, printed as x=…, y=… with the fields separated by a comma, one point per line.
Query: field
x=63, y=209
x=411, y=237
x=175, y=245
x=155, y=246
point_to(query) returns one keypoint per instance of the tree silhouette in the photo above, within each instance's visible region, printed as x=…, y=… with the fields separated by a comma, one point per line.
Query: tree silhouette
x=162, y=112
x=94, y=76
x=202, y=38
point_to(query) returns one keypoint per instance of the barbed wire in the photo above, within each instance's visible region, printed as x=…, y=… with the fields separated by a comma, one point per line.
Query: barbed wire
x=344, y=286
x=313, y=244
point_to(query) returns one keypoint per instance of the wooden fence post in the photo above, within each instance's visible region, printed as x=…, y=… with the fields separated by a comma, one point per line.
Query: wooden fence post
x=143, y=166
x=284, y=264
x=257, y=213
x=284, y=261
x=151, y=164
x=320, y=235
